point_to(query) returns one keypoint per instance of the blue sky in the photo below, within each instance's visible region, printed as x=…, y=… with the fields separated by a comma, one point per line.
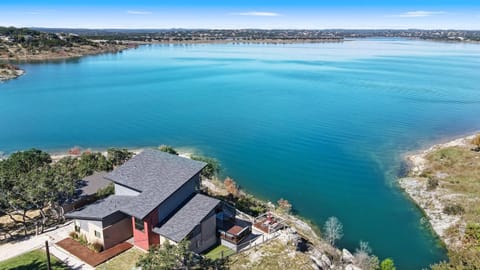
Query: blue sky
x=319, y=14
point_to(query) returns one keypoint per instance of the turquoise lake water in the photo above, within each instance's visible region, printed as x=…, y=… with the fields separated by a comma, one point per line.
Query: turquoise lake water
x=322, y=125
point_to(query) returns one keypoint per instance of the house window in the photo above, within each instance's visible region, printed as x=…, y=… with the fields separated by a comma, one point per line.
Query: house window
x=98, y=234
x=139, y=224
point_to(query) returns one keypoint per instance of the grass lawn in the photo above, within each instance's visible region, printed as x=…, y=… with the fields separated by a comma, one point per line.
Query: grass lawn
x=461, y=167
x=36, y=259
x=126, y=260
x=216, y=253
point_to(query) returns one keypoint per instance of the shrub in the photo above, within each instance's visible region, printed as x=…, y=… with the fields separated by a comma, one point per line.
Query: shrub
x=476, y=142
x=453, y=209
x=82, y=239
x=118, y=156
x=212, y=168
x=96, y=246
x=250, y=205
x=364, y=259
x=432, y=183
x=231, y=186
x=73, y=235
x=472, y=233
x=387, y=264
x=106, y=191
x=168, y=149
x=284, y=205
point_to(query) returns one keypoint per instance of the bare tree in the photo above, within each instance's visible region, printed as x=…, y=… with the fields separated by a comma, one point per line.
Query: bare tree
x=333, y=230
x=364, y=259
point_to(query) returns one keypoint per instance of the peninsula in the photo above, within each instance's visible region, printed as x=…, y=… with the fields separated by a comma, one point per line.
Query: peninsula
x=444, y=182
x=9, y=71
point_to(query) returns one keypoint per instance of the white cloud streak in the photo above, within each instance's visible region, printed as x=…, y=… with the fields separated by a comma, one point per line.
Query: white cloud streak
x=256, y=13
x=139, y=12
x=420, y=13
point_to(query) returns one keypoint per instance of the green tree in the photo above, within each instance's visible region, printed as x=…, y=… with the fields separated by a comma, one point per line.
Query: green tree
x=212, y=168
x=168, y=149
x=29, y=181
x=92, y=162
x=167, y=257
x=117, y=156
x=176, y=257
x=387, y=264
x=25, y=161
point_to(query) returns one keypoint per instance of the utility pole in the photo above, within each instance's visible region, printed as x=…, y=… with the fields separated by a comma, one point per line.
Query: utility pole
x=49, y=265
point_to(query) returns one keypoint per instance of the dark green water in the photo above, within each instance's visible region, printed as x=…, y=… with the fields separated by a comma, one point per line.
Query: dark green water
x=322, y=125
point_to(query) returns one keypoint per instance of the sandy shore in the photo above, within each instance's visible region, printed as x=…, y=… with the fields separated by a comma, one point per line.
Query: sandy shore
x=57, y=155
x=432, y=201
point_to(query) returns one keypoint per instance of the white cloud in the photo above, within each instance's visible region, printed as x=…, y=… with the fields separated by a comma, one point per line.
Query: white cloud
x=256, y=13
x=139, y=12
x=31, y=13
x=420, y=13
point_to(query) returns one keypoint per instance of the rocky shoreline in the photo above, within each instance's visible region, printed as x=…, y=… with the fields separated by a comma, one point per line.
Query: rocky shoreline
x=67, y=53
x=433, y=201
x=9, y=72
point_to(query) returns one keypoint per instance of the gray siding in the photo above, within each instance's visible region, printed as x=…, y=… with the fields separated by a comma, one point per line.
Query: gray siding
x=117, y=233
x=207, y=236
x=176, y=199
x=114, y=218
x=124, y=191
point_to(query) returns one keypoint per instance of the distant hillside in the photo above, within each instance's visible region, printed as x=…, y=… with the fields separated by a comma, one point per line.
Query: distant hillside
x=298, y=35
x=28, y=44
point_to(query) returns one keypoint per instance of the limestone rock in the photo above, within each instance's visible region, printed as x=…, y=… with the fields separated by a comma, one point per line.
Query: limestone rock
x=352, y=267
x=347, y=256
x=326, y=260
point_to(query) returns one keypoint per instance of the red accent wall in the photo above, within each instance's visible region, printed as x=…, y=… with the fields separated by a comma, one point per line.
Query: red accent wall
x=147, y=238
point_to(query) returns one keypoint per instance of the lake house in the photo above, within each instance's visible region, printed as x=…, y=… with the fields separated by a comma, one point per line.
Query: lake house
x=156, y=199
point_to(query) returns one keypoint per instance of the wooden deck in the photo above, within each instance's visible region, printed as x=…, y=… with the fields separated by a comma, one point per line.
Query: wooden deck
x=89, y=256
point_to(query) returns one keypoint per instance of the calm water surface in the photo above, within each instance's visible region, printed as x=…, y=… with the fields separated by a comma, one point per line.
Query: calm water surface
x=322, y=125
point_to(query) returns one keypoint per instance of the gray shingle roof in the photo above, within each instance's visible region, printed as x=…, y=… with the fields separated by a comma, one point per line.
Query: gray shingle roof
x=91, y=184
x=153, y=168
x=101, y=209
x=189, y=216
x=156, y=175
